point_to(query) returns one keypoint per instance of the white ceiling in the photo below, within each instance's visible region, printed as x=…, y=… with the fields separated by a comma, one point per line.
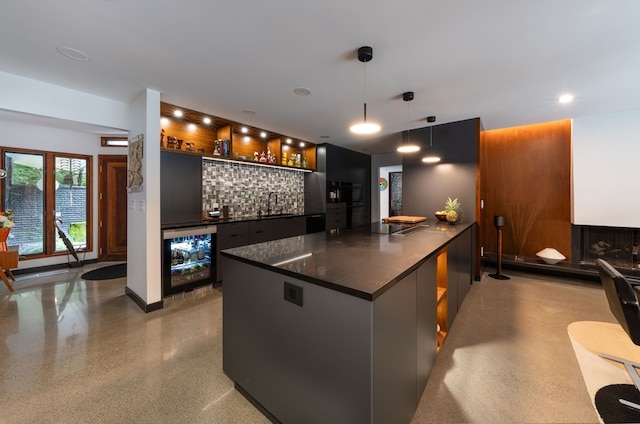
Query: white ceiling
x=504, y=61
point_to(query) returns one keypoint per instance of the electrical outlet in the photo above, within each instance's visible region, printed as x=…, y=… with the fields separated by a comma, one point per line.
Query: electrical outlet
x=293, y=293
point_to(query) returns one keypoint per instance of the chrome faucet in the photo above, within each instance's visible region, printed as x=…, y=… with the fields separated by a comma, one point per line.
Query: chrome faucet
x=269, y=201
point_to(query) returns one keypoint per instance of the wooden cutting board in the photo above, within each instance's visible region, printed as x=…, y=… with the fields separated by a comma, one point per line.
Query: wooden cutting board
x=403, y=219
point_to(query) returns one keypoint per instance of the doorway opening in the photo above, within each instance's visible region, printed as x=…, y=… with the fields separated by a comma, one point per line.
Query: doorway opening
x=387, y=183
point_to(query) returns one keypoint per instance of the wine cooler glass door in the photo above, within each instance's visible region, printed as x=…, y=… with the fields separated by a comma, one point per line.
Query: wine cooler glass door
x=189, y=259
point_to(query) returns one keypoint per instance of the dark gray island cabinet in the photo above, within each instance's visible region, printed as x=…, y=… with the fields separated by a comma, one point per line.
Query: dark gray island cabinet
x=342, y=327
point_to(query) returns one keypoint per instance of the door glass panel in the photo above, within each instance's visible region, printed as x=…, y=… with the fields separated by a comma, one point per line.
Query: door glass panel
x=24, y=195
x=71, y=201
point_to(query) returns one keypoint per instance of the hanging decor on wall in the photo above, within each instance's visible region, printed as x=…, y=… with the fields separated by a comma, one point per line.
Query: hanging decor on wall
x=383, y=184
x=136, y=150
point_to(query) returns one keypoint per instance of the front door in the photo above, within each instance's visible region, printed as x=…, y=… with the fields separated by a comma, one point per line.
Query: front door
x=112, y=208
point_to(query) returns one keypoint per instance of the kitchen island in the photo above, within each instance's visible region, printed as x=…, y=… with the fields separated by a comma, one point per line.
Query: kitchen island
x=342, y=326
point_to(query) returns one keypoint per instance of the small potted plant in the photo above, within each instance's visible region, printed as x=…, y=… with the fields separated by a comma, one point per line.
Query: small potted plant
x=6, y=223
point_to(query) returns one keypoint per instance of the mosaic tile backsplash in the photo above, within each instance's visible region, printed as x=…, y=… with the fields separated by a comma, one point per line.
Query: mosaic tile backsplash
x=245, y=188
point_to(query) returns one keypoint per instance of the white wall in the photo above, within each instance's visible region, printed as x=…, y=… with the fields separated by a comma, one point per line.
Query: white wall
x=25, y=95
x=377, y=162
x=42, y=116
x=605, y=164
x=46, y=138
x=144, y=268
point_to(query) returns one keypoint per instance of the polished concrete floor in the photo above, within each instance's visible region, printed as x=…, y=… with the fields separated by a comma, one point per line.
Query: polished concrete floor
x=81, y=351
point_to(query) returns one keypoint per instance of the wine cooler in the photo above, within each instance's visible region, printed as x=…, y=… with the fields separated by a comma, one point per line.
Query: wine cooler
x=188, y=258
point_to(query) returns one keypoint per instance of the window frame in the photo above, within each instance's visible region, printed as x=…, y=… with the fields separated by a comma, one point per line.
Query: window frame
x=50, y=234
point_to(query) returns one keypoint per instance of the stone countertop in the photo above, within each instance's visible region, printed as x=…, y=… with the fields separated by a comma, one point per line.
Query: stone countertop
x=363, y=262
x=236, y=218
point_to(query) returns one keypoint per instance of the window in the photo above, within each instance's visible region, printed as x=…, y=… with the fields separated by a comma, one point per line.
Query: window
x=42, y=188
x=114, y=141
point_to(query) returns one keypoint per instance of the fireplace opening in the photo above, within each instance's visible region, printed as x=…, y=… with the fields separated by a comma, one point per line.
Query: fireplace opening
x=618, y=246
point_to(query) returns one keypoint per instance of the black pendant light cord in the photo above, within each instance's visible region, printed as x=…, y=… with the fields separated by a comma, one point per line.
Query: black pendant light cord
x=364, y=89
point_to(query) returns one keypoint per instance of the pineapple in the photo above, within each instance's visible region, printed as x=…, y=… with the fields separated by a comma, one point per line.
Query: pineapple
x=452, y=205
x=452, y=208
x=452, y=216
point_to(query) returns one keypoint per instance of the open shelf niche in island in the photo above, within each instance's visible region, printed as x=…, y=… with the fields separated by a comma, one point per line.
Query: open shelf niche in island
x=441, y=298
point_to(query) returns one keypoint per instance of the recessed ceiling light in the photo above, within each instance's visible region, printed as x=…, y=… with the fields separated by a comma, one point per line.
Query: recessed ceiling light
x=206, y=120
x=302, y=91
x=302, y=144
x=71, y=53
x=244, y=130
x=565, y=98
x=263, y=134
x=288, y=141
x=164, y=121
x=192, y=127
x=177, y=113
x=248, y=111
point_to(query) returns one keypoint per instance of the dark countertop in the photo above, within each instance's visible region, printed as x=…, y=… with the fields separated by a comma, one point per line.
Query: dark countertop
x=363, y=262
x=236, y=218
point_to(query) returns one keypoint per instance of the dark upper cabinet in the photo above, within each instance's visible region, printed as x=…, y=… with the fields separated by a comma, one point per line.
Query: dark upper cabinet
x=337, y=166
x=347, y=165
x=180, y=188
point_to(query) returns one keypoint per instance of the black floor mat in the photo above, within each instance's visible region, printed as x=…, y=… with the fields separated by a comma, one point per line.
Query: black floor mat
x=106, y=273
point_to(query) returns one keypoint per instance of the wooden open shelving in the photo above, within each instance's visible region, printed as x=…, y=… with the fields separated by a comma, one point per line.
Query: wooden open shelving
x=190, y=134
x=441, y=298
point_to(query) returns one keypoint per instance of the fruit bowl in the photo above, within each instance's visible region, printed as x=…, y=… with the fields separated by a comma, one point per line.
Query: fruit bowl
x=442, y=216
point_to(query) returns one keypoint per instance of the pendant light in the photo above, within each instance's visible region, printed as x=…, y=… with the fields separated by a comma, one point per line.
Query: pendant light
x=408, y=147
x=365, y=54
x=431, y=158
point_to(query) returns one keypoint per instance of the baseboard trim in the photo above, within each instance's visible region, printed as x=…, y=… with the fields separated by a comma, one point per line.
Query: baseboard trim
x=141, y=303
x=255, y=403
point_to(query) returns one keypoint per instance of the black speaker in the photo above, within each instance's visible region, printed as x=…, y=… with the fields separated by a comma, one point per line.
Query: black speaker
x=498, y=221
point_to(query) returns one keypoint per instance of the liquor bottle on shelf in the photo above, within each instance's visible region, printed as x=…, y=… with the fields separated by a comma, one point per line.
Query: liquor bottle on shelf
x=194, y=252
x=226, y=148
x=200, y=250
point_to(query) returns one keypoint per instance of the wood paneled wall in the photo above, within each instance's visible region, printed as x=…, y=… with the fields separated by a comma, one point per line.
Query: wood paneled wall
x=526, y=176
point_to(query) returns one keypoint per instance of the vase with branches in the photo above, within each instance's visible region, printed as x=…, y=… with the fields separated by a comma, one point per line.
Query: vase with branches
x=520, y=218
